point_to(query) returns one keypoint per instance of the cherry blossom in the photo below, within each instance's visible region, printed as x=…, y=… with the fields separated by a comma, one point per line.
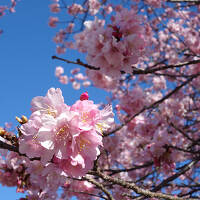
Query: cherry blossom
x=53, y=21
x=112, y=48
x=68, y=135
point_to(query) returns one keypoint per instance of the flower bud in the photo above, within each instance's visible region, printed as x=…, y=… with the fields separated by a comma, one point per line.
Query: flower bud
x=84, y=96
x=18, y=119
x=24, y=119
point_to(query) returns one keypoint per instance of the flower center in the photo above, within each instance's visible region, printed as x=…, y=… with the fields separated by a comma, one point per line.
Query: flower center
x=63, y=135
x=84, y=117
x=63, y=131
x=51, y=112
x=83, y=143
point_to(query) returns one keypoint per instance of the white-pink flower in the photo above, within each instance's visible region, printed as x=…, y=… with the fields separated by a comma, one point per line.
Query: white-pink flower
x=52, y=104
x=59, y=71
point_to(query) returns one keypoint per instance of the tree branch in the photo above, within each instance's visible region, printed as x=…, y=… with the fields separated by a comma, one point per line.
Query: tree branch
x=100, y=186
x=152, y=70
x=9, y=147
x=134, y=187
x=135, y=71
x=115, y=171
x=78, y=62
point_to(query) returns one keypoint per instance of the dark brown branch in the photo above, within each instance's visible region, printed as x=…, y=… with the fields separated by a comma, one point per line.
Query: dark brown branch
x=115, y=171
x=135, y=70
x=77, y=62
x=152, y=70
x=190, y=193
x=181, y=131
x=9, y=147
x=183, y=150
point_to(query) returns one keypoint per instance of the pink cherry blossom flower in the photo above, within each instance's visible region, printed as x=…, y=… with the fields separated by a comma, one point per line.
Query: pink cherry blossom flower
x=63, y=79
x=92, y=117
x=108, y=9
x=70, y=27
x=60, y=49
x=52, y=104
x=53, y=21
x=86, y=83
x=101, y=80
x=59, y=71
x=94, y=6
x=75, y=84
x=55, y=7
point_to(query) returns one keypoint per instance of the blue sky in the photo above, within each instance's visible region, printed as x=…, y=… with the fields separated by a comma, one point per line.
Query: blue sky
x=26, y=67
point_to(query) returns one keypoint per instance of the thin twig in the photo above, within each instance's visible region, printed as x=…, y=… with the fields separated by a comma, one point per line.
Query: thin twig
x=77, y=62
x=115, y=171
x=100, y=186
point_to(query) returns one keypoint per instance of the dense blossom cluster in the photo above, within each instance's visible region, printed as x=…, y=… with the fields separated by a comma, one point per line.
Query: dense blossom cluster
x=115, y=48
x=67, y=136
x=39, y=181
x=57, y=142
x=146, y=55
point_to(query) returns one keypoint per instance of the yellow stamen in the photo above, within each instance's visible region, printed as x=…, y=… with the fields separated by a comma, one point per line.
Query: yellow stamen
x=62, y=130
x=100, y=126
x=84, y=116
x=52, y=113
x=83, y=143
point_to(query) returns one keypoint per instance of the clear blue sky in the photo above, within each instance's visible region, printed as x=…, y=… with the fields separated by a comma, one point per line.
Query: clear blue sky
x=26, y=67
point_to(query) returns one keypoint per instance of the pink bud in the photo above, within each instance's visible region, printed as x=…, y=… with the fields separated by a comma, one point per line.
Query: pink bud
x=84, y=96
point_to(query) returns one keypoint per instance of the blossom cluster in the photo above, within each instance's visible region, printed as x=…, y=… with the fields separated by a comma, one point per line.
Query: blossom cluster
x=38, y=181
x=115, y=48
x=68, y=136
